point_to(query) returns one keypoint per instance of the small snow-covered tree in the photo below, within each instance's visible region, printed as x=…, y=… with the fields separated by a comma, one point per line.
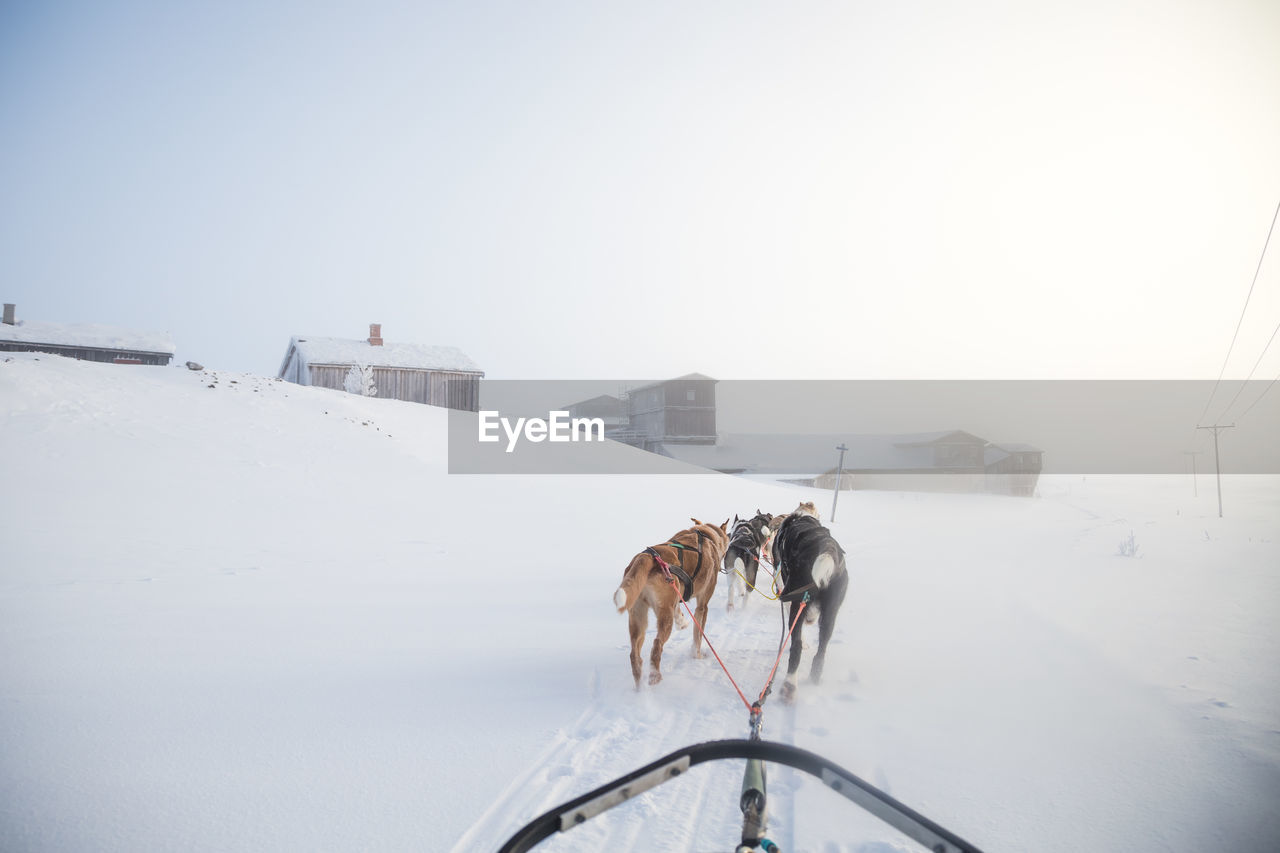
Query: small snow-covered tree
x=351, y=384
x=359, y=380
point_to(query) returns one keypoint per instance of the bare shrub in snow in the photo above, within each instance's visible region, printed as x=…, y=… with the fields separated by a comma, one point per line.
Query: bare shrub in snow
x=359, y=380
x=1128, y=547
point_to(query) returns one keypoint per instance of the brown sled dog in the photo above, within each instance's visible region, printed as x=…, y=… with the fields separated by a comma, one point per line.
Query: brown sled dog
x=696, y=554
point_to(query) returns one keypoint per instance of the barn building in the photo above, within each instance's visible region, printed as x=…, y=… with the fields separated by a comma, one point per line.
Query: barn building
x=85, y=341
x=435, y=375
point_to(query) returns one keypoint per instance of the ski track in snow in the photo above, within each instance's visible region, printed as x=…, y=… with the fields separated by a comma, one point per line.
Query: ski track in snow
x=623, y=729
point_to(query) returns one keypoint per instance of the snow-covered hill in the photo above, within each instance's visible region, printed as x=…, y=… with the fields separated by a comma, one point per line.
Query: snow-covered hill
x=240, y=615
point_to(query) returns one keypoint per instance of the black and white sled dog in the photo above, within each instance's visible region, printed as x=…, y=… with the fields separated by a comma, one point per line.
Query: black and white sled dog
x=742, y=557
x=808, y=560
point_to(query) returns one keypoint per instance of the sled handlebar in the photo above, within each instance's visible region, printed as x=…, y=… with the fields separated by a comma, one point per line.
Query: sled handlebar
x=901, y=817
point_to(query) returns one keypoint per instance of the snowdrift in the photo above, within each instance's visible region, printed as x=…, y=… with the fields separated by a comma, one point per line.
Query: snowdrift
x=237, y=614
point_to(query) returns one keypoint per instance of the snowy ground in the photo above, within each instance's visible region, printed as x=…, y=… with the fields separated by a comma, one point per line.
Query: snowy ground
x=239, y=615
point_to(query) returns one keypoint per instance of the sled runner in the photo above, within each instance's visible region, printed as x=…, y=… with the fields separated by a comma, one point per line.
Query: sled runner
x=566, y=816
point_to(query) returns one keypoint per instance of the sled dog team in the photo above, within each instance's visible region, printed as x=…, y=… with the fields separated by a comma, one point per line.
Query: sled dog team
x=808, y=563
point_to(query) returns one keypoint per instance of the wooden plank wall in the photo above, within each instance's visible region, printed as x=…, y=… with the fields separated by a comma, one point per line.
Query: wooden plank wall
x=88, y=353
x=437, y=388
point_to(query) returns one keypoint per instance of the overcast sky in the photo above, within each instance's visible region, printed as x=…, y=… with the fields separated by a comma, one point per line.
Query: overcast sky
x=564, y=190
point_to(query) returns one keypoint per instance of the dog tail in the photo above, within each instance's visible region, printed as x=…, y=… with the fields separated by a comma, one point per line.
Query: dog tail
x=823, y=568
x=826, y=566
x=633, y=581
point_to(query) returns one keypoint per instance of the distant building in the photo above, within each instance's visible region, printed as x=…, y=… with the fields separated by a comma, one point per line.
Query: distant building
x=951, y=460
x=1013, y=468
x=609, y=409
x=85, y=341
x=679, y=411
x=435, y=375
x=677, y=418
x=947, y=461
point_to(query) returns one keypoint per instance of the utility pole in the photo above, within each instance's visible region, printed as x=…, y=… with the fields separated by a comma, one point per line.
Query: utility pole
x=1216, y=464
x=1195, y=490
x=839, y=472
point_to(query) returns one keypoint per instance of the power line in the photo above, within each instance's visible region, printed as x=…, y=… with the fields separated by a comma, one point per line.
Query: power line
x=1242, y=313
x=1260, y=396
x=1223, y=416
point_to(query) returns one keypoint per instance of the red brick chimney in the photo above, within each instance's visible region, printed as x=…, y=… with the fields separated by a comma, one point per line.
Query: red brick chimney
x=375, y=334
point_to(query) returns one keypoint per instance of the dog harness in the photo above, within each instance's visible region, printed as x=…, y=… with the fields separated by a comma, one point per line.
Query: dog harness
x=781, y=558
x=677, y=568
x=743, y=531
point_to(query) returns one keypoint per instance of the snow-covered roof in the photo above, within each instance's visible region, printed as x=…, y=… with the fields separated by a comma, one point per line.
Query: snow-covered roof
x=992, y=454
x=87, y=335
x=688, y=377
x=994, y=451
x=1016, y=447
x=605, y=405
x=312, y=350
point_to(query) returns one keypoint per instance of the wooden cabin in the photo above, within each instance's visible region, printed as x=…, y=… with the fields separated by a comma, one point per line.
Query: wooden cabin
x=678, y=411
x=418, y=373
x=85, y=341
x=1013, y=469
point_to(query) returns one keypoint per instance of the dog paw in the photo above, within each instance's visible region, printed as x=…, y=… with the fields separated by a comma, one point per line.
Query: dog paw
x=654, y=678
x=788, y=692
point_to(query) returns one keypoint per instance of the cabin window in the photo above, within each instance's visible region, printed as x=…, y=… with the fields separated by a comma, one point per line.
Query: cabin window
x=690, y=396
